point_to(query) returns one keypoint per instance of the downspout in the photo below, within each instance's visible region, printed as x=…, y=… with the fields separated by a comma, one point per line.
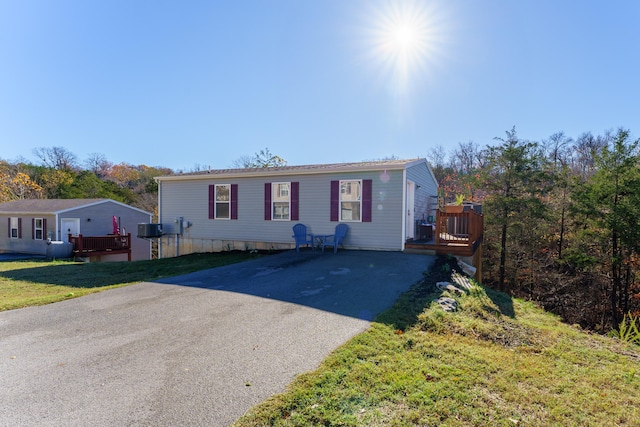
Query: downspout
x=403, y=235
x=159, y=217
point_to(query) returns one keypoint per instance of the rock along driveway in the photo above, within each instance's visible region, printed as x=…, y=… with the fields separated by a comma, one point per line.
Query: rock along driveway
x=197, y=349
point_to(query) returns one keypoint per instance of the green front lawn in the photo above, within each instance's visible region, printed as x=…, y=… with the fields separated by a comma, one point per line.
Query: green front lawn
x=26, y=283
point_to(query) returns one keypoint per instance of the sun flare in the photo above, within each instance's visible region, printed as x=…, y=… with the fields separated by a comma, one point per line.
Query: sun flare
x=405, y=39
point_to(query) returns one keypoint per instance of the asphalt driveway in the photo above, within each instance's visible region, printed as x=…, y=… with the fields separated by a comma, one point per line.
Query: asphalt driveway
x=198, y=349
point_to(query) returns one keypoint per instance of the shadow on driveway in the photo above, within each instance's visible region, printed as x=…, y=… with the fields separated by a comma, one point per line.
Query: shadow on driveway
x=358, y=284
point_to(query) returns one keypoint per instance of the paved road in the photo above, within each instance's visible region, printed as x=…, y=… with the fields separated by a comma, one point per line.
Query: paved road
x=198, y=349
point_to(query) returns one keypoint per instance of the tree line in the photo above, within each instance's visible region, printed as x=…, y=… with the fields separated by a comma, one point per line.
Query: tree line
x=562, y=219
x=59, y=175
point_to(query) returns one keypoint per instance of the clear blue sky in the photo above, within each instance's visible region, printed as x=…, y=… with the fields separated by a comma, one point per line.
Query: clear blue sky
x=186, y=83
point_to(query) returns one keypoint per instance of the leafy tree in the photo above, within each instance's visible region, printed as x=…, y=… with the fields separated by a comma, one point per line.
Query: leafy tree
x=87, y=185
x=17, y=187
x=124, y=175
x=513, y=178
x=610, y=204
x=54, y=181
x=147, y=183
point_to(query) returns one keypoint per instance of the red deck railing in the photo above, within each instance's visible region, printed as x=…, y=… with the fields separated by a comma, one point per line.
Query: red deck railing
x=84, y=246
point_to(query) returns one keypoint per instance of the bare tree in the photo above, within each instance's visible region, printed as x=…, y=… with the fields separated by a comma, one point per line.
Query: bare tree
x=467, y=157
x=243, y=162
x=586, y=148
x=558, y=150
x=262, y=159
x=98, y=164
x=57, y=158
x=437, y=158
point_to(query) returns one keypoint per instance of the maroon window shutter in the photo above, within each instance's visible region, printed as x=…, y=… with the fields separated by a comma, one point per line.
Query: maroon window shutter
x=267, y=201
x=19, y=228
x=44, y=228
x=234, y=201
x=295, y=199
x=212, y=201
x=33, y=228
x=335, y=200
x=367, y=199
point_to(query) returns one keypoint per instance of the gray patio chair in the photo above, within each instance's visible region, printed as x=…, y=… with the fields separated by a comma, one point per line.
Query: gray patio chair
x=301, y=237
x=336, y=239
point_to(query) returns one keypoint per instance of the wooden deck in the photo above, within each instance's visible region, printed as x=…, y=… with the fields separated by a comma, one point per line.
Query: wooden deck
x=88, y=246
x=458, y=234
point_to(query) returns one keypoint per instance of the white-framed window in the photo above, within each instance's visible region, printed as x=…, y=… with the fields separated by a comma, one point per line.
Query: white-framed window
x=38, y=229
x=223, y=201
x=280, y=201
x=14, y=232
x=351, y=200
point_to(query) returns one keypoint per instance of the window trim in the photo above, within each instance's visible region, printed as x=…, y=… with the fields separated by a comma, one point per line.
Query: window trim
x=215, y=202
x=233, y=201
x=359, y=199
x=274, y=200
x=36, y=228
x=14, y=220
x=366, y=197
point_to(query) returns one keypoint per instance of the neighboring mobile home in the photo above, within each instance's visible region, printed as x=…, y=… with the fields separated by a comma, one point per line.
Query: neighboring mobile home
x=34, y=224
x=244, y=209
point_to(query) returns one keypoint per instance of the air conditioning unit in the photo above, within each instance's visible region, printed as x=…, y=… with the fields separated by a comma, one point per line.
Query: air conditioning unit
x=149, y=230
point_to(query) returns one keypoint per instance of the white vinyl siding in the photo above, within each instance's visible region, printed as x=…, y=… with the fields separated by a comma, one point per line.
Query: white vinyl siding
x=425, y=201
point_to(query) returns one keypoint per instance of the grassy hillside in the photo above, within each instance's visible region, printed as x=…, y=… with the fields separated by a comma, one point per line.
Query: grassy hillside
x=496, y=361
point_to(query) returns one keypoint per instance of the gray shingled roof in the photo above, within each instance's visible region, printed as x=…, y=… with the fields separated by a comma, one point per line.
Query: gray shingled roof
x=315, y=168
x=42, y=206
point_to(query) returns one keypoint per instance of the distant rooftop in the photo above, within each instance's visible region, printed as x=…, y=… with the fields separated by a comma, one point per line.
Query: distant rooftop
x=45, y=205
x=53, y=206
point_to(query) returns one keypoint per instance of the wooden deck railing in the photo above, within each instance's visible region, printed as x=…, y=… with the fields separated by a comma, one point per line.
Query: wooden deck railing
x=455, y=233
x=84, y=246
x=464, y=228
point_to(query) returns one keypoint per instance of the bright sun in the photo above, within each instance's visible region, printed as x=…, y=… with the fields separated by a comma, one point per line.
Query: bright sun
x=405, y=38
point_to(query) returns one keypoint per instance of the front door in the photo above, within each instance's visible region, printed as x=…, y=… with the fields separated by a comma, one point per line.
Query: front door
x=69, y=226
x=410, y=226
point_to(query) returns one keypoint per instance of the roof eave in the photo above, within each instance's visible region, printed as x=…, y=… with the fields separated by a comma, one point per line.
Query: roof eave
x=291, y=172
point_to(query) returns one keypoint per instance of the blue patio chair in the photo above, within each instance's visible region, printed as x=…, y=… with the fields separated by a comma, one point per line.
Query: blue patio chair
x=301, y=237
x=336, y=239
